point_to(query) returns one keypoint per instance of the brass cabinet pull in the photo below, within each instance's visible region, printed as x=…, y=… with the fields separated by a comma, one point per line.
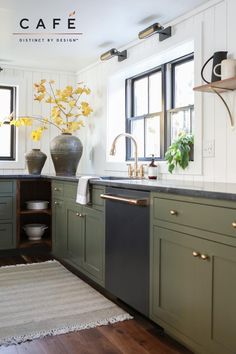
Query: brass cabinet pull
x=204, y=257
x=234, y=224
x=80, y=215
x=57, y=189
x=173, y=212
x=116, y=198
x=57, y=203
x=196, y=254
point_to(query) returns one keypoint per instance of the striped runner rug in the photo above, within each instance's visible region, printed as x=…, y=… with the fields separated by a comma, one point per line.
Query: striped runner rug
x=43, y=299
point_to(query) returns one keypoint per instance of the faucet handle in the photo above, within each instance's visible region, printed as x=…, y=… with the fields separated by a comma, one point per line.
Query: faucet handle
x=130, y=170
x=135, y=171
x=141, y=171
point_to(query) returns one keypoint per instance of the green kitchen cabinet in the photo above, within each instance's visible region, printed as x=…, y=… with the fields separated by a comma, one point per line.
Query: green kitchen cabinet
x=7, y=214
x=193, y=274
x=93, y=243
x=85, y=240
x=79, y=231
x=74, y=232
x=180, y=296
x=59, y=241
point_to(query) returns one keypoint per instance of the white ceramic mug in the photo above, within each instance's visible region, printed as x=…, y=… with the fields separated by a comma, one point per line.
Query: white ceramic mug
x=228, y=69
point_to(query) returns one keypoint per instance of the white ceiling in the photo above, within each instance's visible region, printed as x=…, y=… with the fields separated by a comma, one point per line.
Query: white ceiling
x=104, y=24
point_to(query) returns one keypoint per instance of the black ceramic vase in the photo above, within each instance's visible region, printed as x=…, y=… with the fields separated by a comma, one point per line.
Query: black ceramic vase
x=35, y=160
x=66, y=151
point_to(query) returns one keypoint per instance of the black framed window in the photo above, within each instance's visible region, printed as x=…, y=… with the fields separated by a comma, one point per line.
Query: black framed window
x=159, y=104
x=7, y=131
x=181, y=112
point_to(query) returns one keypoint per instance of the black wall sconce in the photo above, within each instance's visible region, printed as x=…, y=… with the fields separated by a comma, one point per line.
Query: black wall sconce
x=1, y=69
x=164, y=33
x=112, y=53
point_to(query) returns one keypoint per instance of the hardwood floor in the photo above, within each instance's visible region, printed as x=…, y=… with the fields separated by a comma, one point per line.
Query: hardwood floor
x=137, y=336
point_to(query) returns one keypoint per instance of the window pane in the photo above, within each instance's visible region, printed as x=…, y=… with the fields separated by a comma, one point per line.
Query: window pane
x=137, y=130
x=155, y=92
x=5, y=138
x=180, y=122
x=153, y=134
x=5, y=103
x=184, y=80
x=140, y=97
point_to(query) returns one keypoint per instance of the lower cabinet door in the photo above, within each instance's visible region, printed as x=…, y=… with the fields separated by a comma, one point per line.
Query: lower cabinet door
x=223, y=328
x=7, y=239
x=94, y=243
x=181, y=285
x=74, y=233
x=59, y=240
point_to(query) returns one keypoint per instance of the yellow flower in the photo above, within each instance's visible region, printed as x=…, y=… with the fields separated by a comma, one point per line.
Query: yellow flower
x=15, y=122
x=86, y=109
x=58, y=120
x=50, y=100
x=72, y=103
x=65, y=112
x=39, y=97
x=25, y=121
x=68, y=91
x=36, y=134
x=78, y=90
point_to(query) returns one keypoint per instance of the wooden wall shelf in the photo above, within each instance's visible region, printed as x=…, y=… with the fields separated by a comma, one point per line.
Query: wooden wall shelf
x=219, y=87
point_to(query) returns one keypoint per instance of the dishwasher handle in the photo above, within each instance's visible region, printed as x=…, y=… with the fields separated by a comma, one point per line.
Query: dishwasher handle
x=131, y=201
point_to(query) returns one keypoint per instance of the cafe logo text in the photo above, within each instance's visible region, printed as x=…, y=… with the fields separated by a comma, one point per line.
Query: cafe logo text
x=41, y=30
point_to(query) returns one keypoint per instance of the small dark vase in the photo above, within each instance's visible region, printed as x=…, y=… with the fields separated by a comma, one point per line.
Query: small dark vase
x=66, y=151
x=35, y=160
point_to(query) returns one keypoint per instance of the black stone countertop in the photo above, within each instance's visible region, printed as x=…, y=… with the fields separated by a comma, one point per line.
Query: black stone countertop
x=218, y=190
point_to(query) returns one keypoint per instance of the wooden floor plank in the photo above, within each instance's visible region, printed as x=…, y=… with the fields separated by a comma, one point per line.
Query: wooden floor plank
x=138, y=336
x=88, y=341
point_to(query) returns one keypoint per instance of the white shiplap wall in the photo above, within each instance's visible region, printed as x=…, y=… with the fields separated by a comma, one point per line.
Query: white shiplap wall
x=25, y=78
x=212, y=27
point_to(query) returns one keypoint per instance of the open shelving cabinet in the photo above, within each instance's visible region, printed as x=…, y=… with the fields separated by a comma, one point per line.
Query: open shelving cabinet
x=219, y=87
x=33, y=189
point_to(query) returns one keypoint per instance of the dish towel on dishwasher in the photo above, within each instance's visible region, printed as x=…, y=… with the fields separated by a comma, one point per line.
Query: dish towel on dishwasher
x=83, y=195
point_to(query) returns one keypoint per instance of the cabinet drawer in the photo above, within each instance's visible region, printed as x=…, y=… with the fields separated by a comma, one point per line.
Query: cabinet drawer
x=6, y=187
x=57, y=189
x=70, y=190
x=6, y=236
x=207, y=217
x=6, y=204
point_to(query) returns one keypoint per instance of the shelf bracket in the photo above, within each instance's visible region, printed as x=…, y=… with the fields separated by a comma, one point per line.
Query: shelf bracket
x=226, y=106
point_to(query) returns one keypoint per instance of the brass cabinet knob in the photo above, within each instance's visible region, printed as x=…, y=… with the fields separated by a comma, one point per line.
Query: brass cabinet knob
x=234, y=224
x=204, y=257
x=173, y=212
x=80, y=215
x=196, y=254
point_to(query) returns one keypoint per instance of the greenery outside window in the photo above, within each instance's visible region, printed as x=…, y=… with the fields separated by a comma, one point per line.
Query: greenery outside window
x=7, y=131
x=159, y=104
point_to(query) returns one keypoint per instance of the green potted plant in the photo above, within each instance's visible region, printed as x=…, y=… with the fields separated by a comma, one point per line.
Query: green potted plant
x=180, y=151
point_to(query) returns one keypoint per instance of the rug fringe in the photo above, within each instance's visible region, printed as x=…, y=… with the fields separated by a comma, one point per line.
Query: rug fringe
x=29, y=264
x=53, y=332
